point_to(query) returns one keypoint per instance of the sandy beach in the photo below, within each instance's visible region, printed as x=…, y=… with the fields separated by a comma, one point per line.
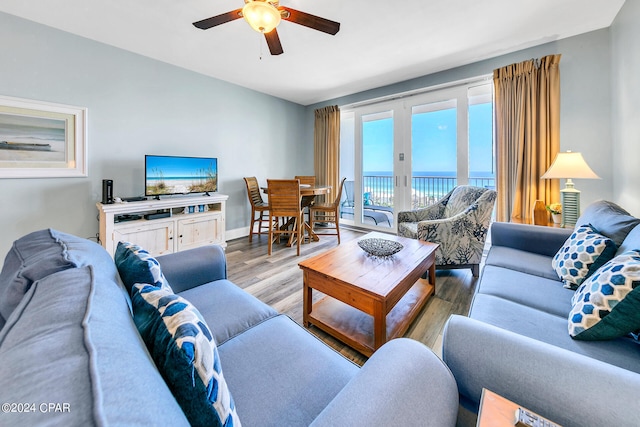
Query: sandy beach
x=175, y=186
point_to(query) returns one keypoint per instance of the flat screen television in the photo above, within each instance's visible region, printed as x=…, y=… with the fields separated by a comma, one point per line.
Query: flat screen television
x=165, y=175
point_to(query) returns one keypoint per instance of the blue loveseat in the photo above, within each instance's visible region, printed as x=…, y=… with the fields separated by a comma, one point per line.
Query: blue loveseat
x=515, y=341
x=70, y=353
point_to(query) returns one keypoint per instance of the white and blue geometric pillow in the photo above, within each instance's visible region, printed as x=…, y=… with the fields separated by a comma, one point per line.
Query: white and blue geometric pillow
x=186, y=355
x=582, y=254
x=136, y=265
x=607, y=304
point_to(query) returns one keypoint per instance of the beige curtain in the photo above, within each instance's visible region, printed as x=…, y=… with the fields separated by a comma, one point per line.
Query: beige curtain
x=326, y=155
x=527, y=127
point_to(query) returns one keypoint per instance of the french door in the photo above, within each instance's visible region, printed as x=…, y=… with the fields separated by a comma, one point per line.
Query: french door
x=406, y=154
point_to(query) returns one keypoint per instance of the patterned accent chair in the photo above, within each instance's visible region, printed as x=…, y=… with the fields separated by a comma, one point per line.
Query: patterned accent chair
x=458, y=223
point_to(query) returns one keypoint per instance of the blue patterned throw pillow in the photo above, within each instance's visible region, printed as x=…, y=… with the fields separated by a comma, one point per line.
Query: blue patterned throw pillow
x=136, y=265
x=582, y=254
x=186, y=355
x=607, y=305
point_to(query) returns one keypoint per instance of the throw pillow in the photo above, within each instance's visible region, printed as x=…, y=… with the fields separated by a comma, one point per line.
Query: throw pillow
x=136, y=265
x=186, y=355
x=583, y=253
x=607, y=305
x=610, y=219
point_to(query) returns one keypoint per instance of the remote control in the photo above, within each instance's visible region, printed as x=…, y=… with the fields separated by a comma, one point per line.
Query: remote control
x=526, y=418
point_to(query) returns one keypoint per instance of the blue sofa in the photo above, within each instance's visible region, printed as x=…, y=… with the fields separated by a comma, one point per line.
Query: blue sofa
x=515, y=340
x=70, y=353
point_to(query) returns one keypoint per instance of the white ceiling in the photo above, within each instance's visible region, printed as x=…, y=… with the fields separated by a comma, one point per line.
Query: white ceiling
x=380, y=42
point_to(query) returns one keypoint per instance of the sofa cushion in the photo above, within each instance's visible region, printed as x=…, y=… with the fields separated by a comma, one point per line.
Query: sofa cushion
x=609, y=219
x=227, y=309
x=583, y=253
x=71, y=340
x=552, y=329
x=299, y=374
x=526, y=289
x=41, y=253
x=186, y=354
x=520, y=260
x=607, y=305
x=136, y=265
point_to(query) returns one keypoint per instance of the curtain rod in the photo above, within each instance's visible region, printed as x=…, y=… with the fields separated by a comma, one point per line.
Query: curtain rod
x=413, y=92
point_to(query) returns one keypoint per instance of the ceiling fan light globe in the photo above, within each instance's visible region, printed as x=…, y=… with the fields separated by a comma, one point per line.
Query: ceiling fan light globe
x=261, y=15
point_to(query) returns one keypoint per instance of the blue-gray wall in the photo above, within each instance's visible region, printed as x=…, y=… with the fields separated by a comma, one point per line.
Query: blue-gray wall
x=137, y=106
x=585, y=119
x=625, y=89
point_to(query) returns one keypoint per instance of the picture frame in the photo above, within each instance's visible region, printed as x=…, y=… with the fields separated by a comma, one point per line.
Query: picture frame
x=41, y=139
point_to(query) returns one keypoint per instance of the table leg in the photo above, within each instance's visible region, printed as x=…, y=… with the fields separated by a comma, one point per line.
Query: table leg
x=307, y=299
x=432, y=275
x=379, y=325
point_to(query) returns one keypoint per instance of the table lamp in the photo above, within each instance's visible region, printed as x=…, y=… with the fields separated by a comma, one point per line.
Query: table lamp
x=569, y=165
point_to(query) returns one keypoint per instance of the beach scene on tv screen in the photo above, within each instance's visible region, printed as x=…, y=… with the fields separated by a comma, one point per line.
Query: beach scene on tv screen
x=181, y=175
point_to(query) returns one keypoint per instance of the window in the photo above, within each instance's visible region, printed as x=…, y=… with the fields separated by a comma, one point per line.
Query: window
x=408, y=152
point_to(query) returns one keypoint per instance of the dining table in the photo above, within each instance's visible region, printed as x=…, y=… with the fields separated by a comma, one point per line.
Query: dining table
x=308, y=194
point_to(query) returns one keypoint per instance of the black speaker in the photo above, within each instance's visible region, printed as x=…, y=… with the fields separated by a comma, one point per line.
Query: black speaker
x=107, y=191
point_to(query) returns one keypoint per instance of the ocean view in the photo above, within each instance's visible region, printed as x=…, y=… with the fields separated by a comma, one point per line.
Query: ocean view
x=426, y=187
x=451, y=174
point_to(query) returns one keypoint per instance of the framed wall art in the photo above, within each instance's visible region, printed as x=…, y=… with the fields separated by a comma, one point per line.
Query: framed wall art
x=42, y=140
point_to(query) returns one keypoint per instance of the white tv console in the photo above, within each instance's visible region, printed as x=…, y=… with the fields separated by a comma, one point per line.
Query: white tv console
x=178, y=231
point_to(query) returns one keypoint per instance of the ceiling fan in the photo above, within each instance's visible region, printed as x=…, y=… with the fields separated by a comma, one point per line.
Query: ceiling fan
x=265, y=15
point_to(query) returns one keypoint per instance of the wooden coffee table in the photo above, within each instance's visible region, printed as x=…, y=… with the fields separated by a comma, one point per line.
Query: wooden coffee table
x=368, y=300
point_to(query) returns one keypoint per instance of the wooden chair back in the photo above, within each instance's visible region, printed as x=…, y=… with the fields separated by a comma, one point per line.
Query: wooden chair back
x=284, y=197
x=253, y=191
x=306, y=180
x=336, y=202
x=284, y=204
x=328, y=213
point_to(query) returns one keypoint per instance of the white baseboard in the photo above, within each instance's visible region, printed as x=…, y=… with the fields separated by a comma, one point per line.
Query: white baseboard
x=236, y=233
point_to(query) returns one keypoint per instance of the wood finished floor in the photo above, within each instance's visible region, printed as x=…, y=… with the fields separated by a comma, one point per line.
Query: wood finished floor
x=277, y=281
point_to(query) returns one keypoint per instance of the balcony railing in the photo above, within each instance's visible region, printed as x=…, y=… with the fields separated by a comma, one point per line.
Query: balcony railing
x=426, y=190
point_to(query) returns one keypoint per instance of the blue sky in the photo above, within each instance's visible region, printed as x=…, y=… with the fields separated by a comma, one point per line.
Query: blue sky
x=433, y=141
x=174, y=167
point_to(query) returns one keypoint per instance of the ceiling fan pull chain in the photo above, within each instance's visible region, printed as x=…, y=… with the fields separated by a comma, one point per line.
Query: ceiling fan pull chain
x=260, y=44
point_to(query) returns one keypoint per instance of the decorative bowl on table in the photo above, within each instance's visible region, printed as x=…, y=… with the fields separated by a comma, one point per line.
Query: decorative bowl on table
x=380, y=247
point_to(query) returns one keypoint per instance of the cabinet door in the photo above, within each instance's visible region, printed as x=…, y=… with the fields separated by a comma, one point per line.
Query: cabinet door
x=199, y=231
x=154, y=236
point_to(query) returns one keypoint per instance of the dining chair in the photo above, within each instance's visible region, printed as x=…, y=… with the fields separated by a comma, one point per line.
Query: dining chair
x=328, y=213
x=307, y=200
x=284, y=204
x=258, y=206
x=306, y=180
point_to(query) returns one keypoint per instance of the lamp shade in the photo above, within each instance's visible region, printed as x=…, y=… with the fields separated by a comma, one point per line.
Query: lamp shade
x=569, y=165
x=261, y=15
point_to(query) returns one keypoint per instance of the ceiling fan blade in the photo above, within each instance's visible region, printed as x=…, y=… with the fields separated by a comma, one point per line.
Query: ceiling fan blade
x=273, y=41
x=205, y=24
x=311, y=21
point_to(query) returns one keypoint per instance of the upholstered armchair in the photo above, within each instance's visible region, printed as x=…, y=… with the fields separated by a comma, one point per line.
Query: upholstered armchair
x=458, y=223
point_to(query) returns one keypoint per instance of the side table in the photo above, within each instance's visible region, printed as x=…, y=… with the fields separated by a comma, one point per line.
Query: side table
x=497, y=411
